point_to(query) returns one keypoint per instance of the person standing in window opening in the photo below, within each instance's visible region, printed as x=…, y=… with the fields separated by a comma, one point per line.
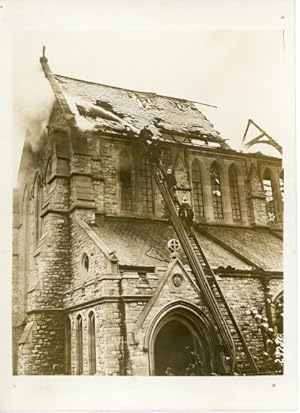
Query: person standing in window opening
x=172, y=184
x=186, y=213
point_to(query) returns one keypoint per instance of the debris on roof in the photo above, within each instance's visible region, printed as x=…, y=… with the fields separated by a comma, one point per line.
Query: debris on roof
x=105, y=108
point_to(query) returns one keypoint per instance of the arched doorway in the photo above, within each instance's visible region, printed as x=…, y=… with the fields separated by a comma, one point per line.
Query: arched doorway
x=176, y=351
x=182, y=345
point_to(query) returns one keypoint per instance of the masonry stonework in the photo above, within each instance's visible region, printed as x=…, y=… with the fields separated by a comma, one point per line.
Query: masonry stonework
x=91, y=291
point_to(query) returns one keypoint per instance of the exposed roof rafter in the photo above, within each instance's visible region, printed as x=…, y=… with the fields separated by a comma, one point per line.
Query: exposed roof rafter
x=263, y=137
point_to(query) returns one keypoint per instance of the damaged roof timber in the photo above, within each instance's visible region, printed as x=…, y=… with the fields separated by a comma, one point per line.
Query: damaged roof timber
x=96, y=107
x=101, y=107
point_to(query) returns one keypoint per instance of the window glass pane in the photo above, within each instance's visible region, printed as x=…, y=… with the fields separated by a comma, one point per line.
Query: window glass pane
x=268, y=189
x=92, y=344
x=234, y=194
x=79, y=348
x=197, y=189
x=68, y=348
x=147, y=192
x=216, y=191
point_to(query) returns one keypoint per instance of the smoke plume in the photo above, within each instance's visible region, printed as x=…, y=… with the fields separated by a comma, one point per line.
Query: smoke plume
x=32, y=103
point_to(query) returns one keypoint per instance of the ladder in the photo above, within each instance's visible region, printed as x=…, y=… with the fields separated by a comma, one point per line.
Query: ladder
x=228, y=329
x=248, y=364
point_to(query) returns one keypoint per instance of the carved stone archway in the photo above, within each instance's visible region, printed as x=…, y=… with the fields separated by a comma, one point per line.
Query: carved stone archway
x=180, y=342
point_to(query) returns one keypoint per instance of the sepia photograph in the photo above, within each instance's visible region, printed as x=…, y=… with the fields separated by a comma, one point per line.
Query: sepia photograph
x=149, y=199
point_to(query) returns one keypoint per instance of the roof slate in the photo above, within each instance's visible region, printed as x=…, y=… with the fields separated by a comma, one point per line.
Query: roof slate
x=258, y=245
x=144, y=243
x=103, y=105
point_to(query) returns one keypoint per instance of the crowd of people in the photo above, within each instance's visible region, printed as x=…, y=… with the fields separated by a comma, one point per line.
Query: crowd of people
x=152, y=145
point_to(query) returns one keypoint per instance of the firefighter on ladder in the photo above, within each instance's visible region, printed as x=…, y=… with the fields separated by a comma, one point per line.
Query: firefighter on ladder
x=152, y=144
x=186, y=213
x=171, y=183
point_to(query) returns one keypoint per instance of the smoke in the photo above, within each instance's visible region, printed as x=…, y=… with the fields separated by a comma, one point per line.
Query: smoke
x=32, y=103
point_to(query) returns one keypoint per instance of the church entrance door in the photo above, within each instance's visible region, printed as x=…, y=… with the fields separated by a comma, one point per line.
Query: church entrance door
x=178, y=351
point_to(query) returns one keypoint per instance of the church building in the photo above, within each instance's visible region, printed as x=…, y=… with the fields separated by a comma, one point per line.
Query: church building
x=107, y=277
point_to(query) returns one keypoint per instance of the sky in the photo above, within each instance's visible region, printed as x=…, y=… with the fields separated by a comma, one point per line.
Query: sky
x=238, y=68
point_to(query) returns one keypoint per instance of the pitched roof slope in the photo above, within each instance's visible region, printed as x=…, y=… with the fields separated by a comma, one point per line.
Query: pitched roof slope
x=144, y=243
x=99, y=106
x=259, y=246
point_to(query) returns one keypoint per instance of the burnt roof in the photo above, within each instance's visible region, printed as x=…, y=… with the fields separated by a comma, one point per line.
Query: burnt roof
x=102, y=107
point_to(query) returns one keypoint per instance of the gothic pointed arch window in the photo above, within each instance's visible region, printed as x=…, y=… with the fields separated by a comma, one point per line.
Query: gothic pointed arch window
x=126, y=181
x=269, y=194
x=92, y=343
x=216, y=191
x=234, y=193
x=79, y=346
x=68, y=345
x=197, y=189
x=147, y=188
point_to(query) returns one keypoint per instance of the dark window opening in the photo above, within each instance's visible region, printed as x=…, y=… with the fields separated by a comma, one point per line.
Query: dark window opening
x=68, y=346
x=85, y=264
x=216, y=191
x=197, y=189
x=147, y=189
x=92, y=343
x=269, y=194
x=234, y=194
x=79, y=346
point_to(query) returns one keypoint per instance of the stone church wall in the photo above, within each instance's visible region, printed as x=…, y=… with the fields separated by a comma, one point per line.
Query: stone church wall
x=81, y=184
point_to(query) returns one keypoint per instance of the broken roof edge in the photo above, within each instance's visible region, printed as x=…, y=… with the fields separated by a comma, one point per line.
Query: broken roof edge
x=204, y=148
x=219, y=139
x=135, y=91
x=117, y=134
